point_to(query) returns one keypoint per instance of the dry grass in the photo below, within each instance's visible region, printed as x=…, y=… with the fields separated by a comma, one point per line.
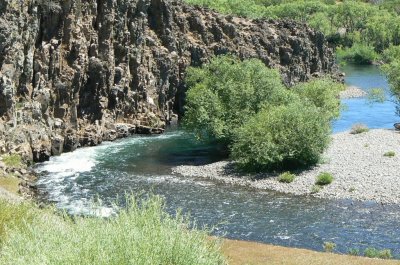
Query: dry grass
x=10, y=183
x=241, y=253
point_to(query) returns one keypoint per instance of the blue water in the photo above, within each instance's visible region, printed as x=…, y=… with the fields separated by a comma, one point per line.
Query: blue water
x=143, y=164
x=361, y=110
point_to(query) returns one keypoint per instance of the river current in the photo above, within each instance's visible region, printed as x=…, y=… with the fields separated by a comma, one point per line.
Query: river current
x=142, y=164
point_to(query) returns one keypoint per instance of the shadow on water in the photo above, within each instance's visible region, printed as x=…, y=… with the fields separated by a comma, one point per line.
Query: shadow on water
x=140, y=164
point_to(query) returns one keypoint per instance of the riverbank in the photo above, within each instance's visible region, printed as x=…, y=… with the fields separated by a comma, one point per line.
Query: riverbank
x=243, y=252
x=352, y=92
x=357, y=161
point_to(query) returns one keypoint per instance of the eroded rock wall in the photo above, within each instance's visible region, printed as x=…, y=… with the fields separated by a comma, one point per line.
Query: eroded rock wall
x=74, y=73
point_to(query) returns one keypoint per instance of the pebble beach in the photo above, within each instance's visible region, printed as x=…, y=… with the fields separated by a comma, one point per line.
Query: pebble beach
x=357, y=161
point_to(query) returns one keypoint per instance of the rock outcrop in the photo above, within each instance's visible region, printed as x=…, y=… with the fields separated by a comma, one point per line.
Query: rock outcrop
x=74, y=73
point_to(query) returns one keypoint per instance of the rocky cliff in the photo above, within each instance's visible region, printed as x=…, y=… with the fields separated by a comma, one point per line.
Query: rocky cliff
x=74, y=73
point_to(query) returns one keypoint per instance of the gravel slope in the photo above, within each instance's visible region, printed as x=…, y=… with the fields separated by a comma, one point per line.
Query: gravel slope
x=357, y=162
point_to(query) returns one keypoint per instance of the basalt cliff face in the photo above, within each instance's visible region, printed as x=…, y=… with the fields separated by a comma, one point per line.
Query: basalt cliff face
x=75, y=73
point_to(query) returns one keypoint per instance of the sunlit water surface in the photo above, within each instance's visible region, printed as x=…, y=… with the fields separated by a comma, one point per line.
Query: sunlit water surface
x=143, y=165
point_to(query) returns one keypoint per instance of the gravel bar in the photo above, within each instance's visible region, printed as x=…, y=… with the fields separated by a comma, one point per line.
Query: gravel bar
x=357, y=162
x=353, y=92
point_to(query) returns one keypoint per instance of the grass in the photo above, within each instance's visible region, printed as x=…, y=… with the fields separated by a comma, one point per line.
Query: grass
x=286, y=177
x=241, y=252
x=329, y=247
x=14, y=217
x=142, y=233
x=389, y=154
x=324, y=179
x=10, y=183
x=359, y=128
x=13, y=160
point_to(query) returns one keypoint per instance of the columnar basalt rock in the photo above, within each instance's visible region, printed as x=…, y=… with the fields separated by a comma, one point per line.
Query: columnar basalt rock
x=74, y=73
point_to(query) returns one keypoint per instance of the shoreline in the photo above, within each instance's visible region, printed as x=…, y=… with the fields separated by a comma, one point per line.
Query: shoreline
x=352, y=92
x=357, y=162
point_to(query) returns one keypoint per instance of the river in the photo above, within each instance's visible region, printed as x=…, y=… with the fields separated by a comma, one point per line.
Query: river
x=142, y=164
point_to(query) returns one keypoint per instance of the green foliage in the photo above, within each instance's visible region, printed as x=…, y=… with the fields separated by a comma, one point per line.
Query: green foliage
x=376, y=95
x=14, y=217
x=371, y=28
x=329, y=247
x=142, y=233
x=323, y=94
x=390, y=154
x=226, y=92
x=13, y=160
x=246, y=106
x=354, y=252
x=324, y=179
x=286, y=136
x=392, y=71
x=375, y=253
x=391, y=54
x=359, y=128
x=358, y=53
x=286, y=177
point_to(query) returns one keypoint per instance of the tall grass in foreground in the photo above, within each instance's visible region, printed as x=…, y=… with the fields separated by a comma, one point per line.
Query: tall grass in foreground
x=142, y=233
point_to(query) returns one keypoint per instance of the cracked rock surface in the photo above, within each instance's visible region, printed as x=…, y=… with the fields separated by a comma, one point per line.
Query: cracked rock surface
x=75, y=73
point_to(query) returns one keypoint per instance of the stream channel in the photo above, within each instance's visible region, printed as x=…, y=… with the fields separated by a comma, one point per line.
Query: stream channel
x=143, y=164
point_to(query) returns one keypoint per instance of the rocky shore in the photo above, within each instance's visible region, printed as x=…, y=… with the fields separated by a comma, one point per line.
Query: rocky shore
x=352, y=92
x=357, y=161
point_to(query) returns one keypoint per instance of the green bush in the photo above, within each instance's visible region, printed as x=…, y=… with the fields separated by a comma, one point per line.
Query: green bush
x=354, y=252
x=323, y=94
x=324, y=179
x=282, y=137
x=286, y=177
x=142, y=233
x=224, y=94
x=246, y=106
x=376, y=95
x=390, y=154
x=375, y=253
x=359, y=128
x=358, y=53
x=329, y=246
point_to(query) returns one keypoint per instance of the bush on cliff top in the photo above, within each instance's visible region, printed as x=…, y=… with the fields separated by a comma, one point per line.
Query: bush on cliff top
x=143, y=233
x=246, y=106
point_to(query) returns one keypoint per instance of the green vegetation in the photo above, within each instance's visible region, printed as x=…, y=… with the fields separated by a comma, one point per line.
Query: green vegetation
x=329, y=246
x=266, y=126
x=354, y=252
x=359, y=128
x=12, y=160
x=375, y=253
x=315, y=189
x=142, y=233
x=389, y=154
x=324, y=179
x=286, y=177
x=362, y=30
x=283, y=137
x=376, y=95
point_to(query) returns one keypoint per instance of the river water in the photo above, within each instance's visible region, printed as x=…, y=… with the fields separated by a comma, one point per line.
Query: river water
x=142, y=164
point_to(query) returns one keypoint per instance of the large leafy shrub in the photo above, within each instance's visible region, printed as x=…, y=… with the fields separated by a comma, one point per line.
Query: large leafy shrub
x=286, y=136
x=224, y=94
x=267, y=126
